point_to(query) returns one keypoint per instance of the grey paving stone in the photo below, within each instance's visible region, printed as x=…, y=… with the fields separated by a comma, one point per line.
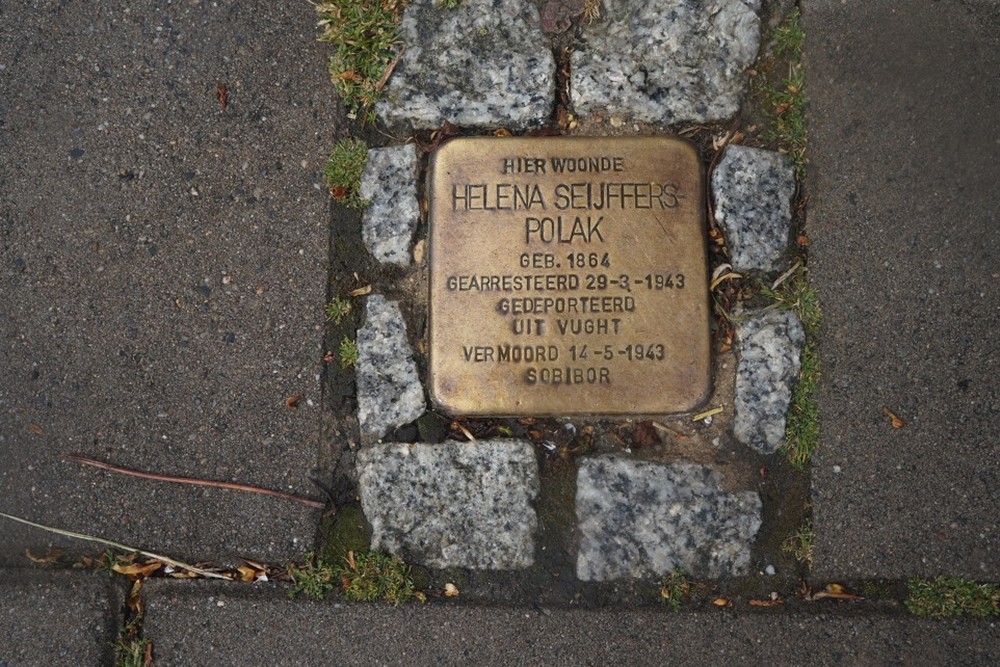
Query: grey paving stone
x=753, y=189
x=389, y=183
x=389, y=390
x=483, y=64
x=664, y=61
x=643, y=519
x=198, y=623
x=163, y=264
x=58, y=617
x=769, y=346
x=904, y=249
x=454, y=504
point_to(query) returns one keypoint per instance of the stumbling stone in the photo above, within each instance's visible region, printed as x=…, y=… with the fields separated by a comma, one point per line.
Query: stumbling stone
x=454, y=504
x=667, y=61
x=753, y=190
x=483, y=64
x=770, y=348
x=389, y=183
x=389, y=391
x=643, y=519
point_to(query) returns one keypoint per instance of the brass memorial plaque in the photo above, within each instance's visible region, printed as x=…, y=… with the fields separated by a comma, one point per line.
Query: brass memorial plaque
x=568, y=276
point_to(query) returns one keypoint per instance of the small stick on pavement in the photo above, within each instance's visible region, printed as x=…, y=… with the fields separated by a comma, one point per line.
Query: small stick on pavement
x=308, y=502
x=117, y=545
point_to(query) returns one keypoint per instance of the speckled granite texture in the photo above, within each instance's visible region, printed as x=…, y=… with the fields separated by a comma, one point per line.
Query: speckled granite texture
x=770, y=347
x=454, y=504
x=389, y=183
x=644, y=519
x=483, y=64
x=667, y=61
x=389, y=390
x=753, y=190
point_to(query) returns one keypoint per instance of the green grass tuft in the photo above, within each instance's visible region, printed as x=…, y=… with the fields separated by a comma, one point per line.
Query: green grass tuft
x=789, y=37
x=800, y=545
x=786, y=101
x=365, y=35
x=802, y=425
x=313, y=577
x=348, y=352
x=338, y=309
x=372, y=576
x=344, y=169
x=946, y=597
x=675, y=588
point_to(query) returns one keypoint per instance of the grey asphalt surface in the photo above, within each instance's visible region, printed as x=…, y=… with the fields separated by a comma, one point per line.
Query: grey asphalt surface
x=59, y=618
x=205, y=624
x=162, y=268
x=904, y=220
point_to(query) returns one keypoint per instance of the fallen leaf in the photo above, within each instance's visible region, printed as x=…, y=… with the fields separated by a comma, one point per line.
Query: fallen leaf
x=36, y=429
x=767, y=602
x=644, y=435
x=247, y=573
x=222, y=94
x=893, y=418
x=830, y=591
x=137, y=569
x=134, y=599
x=338, y=191
x=722, y=602
x=360, y=291
x=450, y=590
x=328, y=357
x=51, y=557
x=292, y=402
x=349, y=75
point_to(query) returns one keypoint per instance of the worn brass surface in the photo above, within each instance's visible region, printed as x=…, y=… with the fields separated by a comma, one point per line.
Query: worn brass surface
x=573, y=290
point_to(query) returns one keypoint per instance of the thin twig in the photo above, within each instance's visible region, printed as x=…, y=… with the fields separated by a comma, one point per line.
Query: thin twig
x=118, y=545
x=308, y=502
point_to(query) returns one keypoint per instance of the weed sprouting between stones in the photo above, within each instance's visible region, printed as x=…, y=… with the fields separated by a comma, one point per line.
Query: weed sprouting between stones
x=786, y=99
x=946, y=597
x=348, y=352
x=800, y=545
x=675, y=588
x=131, y=649
x=313, y=577
x=338, y=309
x=372, y=576
x=365, y=35
x=802, y=425
x=366, y=577
x=344, y=169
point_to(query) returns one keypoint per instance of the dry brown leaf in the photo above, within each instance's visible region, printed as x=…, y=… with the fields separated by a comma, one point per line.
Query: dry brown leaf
x=247, y=573
x=360, y=291
x=644, y=435
x=893, y=418
x=222, y=94
x=137, y=569
x=450, y=590
x=338, y=191
x=36, y=429
x=722, y=602
x=767, y=602
x=292, y=402
x=51, y=557
x=134, y=599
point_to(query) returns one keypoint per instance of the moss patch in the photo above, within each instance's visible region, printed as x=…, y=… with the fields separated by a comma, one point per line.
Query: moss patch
x=946, y=597
x=346, y=531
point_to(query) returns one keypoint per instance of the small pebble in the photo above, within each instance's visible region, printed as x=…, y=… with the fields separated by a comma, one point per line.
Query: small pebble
x=836, y=470
x=770, y=571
